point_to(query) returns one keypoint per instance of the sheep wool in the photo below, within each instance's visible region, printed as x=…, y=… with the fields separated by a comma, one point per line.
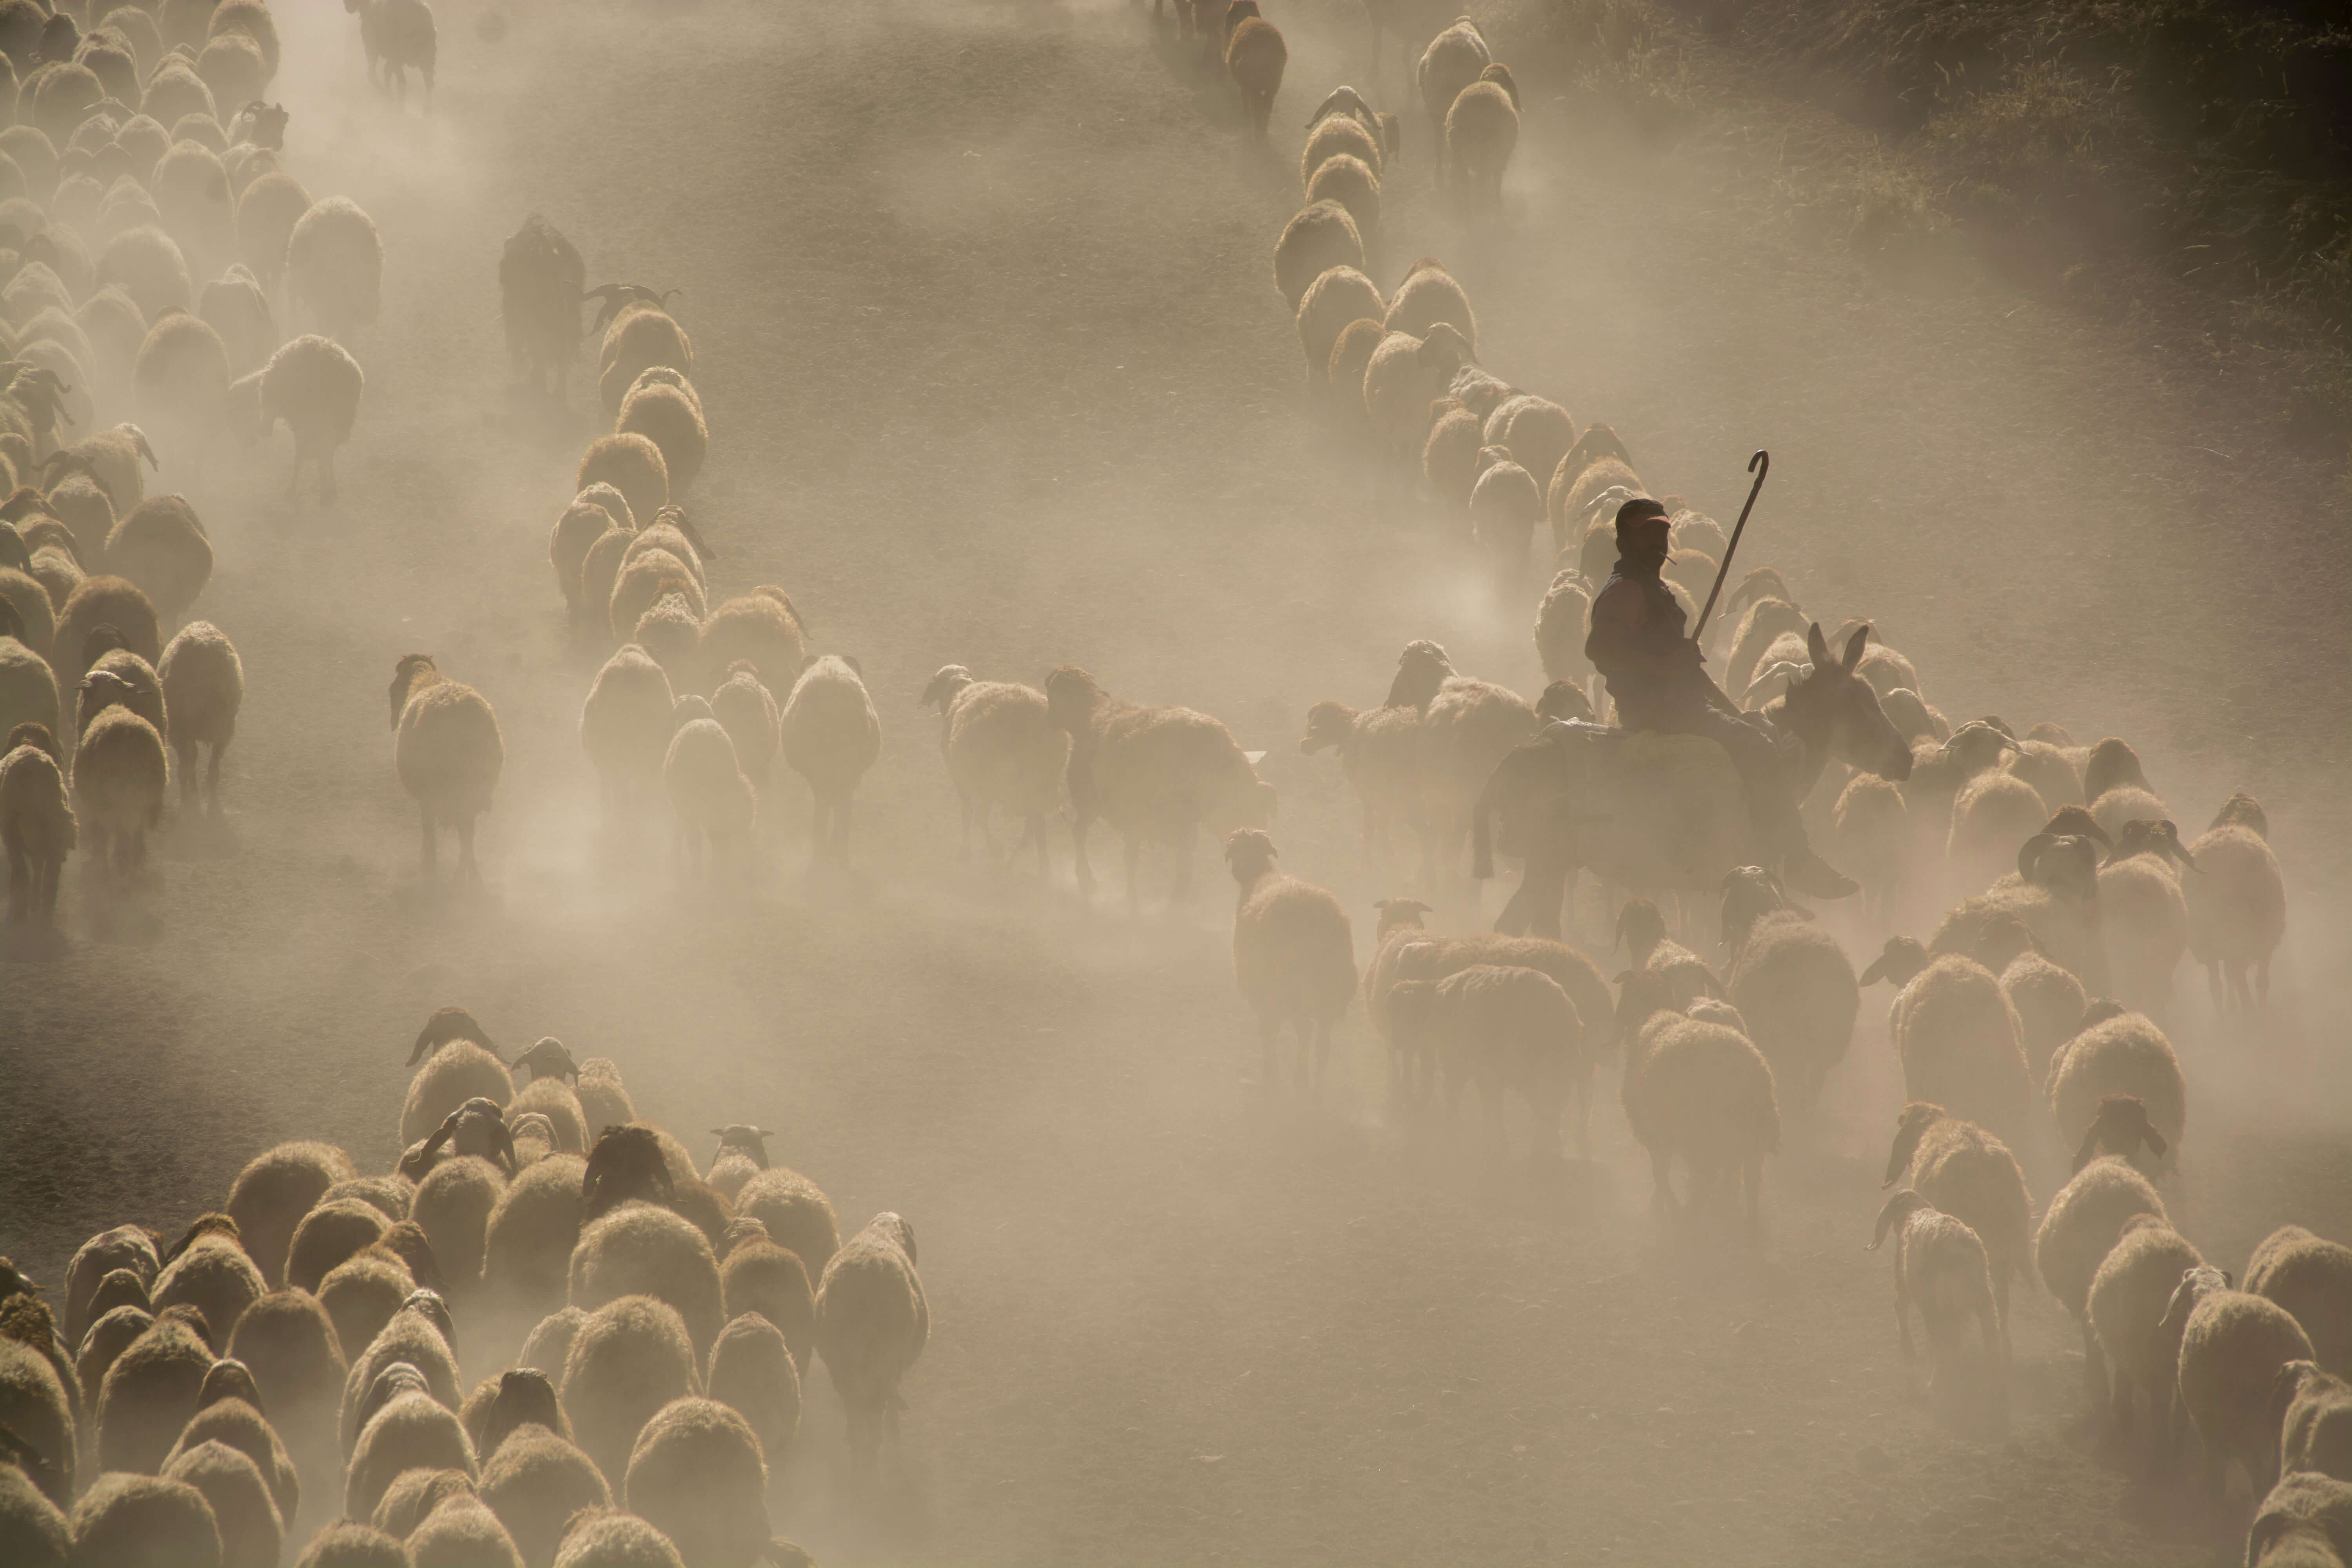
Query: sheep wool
x=2129, y=1293
x=2233, y=1345
x=334, y=267
x=38, y=825
x=872, y=1323
x=1294, y=956
x=448, y=752
x=145, y=1519
x=830, y=735
x=535, y=1481
x=630, y=1358
x=313, y=385
x=1339, y=295
x=2311, y=1276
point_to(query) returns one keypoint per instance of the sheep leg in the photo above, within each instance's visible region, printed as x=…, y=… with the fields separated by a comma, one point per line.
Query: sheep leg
x=1037, y=837
x=1267, y=1031
x=1079, y=823
x=466, y=867
x=1662, y=1187
x=2095, y=1367
x=212, y=776
x=2119, y=1407
x=2263, y=981
x=20, y=884
x=185, y=752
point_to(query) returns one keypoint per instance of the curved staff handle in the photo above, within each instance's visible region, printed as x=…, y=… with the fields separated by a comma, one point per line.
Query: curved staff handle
x=1759, y=465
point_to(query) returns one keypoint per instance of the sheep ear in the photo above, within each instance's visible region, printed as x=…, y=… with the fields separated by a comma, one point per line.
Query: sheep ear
x=1874, y=973
x=1817, y=646
x=2153, y=1139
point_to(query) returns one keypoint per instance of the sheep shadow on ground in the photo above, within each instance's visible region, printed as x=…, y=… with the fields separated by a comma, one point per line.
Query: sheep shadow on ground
x=204, y=835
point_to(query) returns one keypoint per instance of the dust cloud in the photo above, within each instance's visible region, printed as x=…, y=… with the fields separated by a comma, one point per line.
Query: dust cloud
x=995, y=374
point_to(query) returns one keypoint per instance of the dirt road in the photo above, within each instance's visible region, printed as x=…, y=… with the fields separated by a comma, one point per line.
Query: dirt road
x=996, y=375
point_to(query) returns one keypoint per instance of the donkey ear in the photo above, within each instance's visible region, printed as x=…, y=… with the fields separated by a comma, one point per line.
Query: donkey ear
x=1817, y=645
x=1853, y=647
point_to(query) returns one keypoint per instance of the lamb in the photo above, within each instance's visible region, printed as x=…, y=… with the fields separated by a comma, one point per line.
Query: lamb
x=38, y=825
x=662, y=408
x=148, y=1395
x=872, y=1323
x=1322, y=236
x=714, y=802
x=2233, y=1345
x=1956, y=1035
x=1402, y=378
x=541, y=281
x=2082, y=1226
x=1427, y=297
x=639, y=335
x=1002, y=752
x=534, y=1481
x=642, y=1249
x=1380, y=750
x=2120, y=1054
x=1152, y=772
x=752, y=1369
x=761, y=1277
x=1939, y=1266
x=1254, y=57
x=459, y=1063
x=273, y=1193
x=1970, y=1174
x=204, y=687
x=1294, y=956
x=2304, y=1522
x=1642, y=933
x=2315, y=1432
x=2129, y=1293
x=144, y=1519
x=1482, y=128
x=448, y=752
x=2237, y=906
x=627, y=1361
x=830, y=736
x=1700, y=1090
x=1792, y=981
x=118, y=784
x=250, y=1528
x=2311, y=1277
x=334, y=266
x=1339, y=295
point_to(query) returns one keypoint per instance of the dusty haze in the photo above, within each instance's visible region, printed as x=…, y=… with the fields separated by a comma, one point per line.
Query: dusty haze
x=995, y=373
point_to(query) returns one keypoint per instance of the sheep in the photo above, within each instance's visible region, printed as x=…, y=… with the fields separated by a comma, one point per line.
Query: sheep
x=1956, y=1034
x=2078, y=1230
x=761, y=627
x=144, y=1519
x=147, y=265
x=2122, y=1053
x=2304, y=1522
x=1698, y=1089
x=1429, y=295
x=2315, y=1430
x=1453, y=60
x=461, y=1531
x=344, y=1544
x=415, y=1495
x=631, y=1357
x=1322, y=236
x=2055, y=893
x=625, y=724
x=1254, y=58
x=268, y=210
x=663, y=409
x=752, y=1369
x=535, y=1481
x=1153, y=774
x=125, y=1247
x=458, y=1063
x=109, y=1334
x=541, y=281
x=1339, y=295
x=1642, y=933
x=2311, y=1277
x=1505, y=507
x=1003, y=752
x=714, y=802
x=554, y=1102
x=235, y=1421
x=1970, y=1174
x=1792, y=981
x=1536, y=431
x=1351, y=181
x=118, y=675
x=250, y=1528
x=1583, y=507
x=695, y=1474
x=2049, y=1002
x=532, y=1229
x=2236, y=909
x=204, y=687
x=313, y=385
x=1351, y=358
x=1294, y=956
x=38, y=825
x=33, y=1529
x=148, y=1393
x=761, y=1277
x=1939, y=1266
x=640, y=336
x=447, y=751
x=2233, y=1345
x=1380, y=752
x=582, y=524
x=295, y=1360
x=1403, y=376
x=34, y=1408
x=1467, y=727
x=1991, y=814
x=1482, y=128
x=412, y=1430
x=872, y=1323
x=110, y=459
x=603, y=1098
x=1452, y=453
x=2143, y=911
x=1874, y=836
x=796, y=1213
x=181, y=378
x=632, y=464
x=743, y=1154
x=642, y=1249
x=2129, y=1293
x=1503, y=1027
x=209, y=1268
x=273, y=1193
x=453, y=1206
x=1345, y=124
x=334, y=267
x=609, y=1537
x=119, y=785
x=32, y=618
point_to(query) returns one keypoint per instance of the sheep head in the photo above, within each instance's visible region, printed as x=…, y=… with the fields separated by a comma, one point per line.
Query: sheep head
x=1641, y=926
x=1445, y=349
x=2064, y=863
x=1715, y=1010
x=33, y=733
x=401, y=1377
x=2120, y=1127
x=2242, y=810
x=230, y=1379
x=1396, y=912
x=896, y=1229
x=1563, y=701
x=525, y=1394
x=1897, y=964
x=942, y=693
x=750, y=1142
x=1750, y=893
x=1250, y=853
x=1330, y=725
x=626, y=1163
x=2196, y=1284
x=1071, y=697
x=2078, y=821
x=1911, y=1124
x=2112, y=763
x=202, y=1226
x=446, y=1024
x=1500, y=74
x=741, y=1231
x=15, y=1281
x=2159, y=838
x=13, y=554
x=2001, y=940
x=1900, y=1205
x=412, y=673
x=548, y=1059
x=428, y=1305
x=1422, y=668
x=265, y=124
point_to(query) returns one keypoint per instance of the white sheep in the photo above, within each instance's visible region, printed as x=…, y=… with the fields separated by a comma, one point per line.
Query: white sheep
x=182, y=380
x=1429, y=295
x=204, y=687
x=2129, y=1293
x=639, y=335
x=662, y=406
x=1349, y=181
x=797, y=1216
x=235, y=1422
x=1956, y=1035
x=577, y=528
x=714, y=802
x=1940, y=1268
x=1505, y=504
x=449, y=754
x=762, y=1277
x=640, y=1248
x=752, y=1371
x=872, y=1323
x=2079, y=1229
x=1003, y=754
x=2311, y=1276
x=2233, y=1345
x=1971, y=1176
x=1158, y=773
x=632, y=464
x=1642, y=933
x=1451, y=62
x=1402, y=379
x=38, y=1414
x=2143, y=913
x=2316, y=1434
x=760, y=627
x=334, y=267
x=268, y=212
x=2049, y=1002
x=1700, y=1090
x=1503, y=1027
x=2236, y=907
x=274, y=1190
x=458, y=1063
x=1294, y=956
x=238, y=309
x=453, y=1206
x=38, y=825
x=1467, y=727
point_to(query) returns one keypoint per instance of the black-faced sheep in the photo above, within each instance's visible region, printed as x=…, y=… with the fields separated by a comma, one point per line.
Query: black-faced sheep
x=1294, y=956
x=872, y=1323
x=448, y=752
x=1940, y=1268
x=1254, y=57
x=2311, y=1276
x=2233, y=1345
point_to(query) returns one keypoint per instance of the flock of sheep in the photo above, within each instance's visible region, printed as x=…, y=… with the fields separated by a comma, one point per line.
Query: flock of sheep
x=172, y=1406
